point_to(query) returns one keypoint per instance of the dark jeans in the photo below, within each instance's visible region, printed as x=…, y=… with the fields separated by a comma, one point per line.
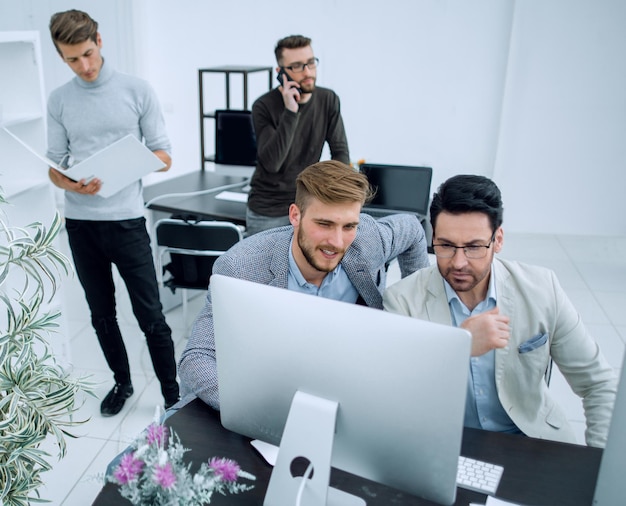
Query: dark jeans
x=96, y=245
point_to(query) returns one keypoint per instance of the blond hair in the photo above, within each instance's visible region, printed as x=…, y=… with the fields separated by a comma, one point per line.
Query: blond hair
x=331, y=182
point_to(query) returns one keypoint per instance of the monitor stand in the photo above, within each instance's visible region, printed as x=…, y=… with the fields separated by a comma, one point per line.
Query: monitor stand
x=309, y=433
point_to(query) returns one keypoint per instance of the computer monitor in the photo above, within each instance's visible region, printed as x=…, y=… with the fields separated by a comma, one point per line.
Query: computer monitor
x=235, y=140
x=384, y=393
x=399, y=188
x=611, y=486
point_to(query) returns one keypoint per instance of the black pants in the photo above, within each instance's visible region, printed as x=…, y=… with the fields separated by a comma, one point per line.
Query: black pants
x=96, y=245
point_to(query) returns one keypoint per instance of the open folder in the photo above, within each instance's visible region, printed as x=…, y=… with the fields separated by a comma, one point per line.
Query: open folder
x=118, y=165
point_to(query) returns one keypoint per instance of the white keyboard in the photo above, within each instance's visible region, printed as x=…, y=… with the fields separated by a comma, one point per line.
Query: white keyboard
x=478, y=476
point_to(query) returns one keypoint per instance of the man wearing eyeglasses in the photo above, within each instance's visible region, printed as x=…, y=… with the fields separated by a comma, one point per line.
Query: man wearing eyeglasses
x=519, y=317
x=292, y=123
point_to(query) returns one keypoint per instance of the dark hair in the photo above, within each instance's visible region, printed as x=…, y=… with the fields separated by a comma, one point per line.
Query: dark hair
x=331, y=182
x=291, y=42
x=468, y=193
x=72, y=27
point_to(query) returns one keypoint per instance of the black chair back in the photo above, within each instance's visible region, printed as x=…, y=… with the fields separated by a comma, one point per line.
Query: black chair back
x=193, y=248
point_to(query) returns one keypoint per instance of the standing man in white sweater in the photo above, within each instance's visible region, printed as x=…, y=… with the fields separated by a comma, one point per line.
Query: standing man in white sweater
x=96, y=108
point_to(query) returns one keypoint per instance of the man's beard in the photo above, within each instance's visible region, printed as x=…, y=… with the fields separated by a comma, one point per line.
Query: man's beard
x=308, y=253
x=467, y=284
x=308, y=88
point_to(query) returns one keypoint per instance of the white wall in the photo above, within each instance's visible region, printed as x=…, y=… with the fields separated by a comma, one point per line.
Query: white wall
x=531, y=93
x=114, y=19
x=562, y=148
x=420, y=81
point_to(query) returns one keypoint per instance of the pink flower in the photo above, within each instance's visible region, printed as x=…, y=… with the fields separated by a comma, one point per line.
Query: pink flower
x=129, y=469
x=157, y=434
x=164, y=475
x=225, y=469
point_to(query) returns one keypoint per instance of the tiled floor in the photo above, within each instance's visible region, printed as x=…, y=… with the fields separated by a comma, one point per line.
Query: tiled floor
x=591, y=269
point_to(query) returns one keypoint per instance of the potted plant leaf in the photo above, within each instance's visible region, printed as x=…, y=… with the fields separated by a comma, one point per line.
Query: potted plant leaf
x=38, y=397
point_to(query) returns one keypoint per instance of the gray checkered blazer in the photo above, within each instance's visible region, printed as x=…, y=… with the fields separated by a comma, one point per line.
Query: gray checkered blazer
x=264, y=258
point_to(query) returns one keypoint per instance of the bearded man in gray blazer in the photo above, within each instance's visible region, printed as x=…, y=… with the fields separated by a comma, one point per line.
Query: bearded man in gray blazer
x=330, y=250
x=519, y=317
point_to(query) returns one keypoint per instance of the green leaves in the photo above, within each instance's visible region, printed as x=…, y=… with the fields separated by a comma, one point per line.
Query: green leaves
x=37, y=397
x=32, y=254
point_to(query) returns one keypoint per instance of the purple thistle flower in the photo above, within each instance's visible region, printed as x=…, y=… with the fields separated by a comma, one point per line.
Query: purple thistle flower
x=128, y=469
x=225, y=469
x=157, y=434
x=164, y=475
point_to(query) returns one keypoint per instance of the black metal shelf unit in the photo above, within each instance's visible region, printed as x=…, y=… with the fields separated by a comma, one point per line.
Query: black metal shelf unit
x=227, y=70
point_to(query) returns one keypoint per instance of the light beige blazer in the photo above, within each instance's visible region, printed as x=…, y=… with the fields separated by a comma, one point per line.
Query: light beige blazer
x=537, y=306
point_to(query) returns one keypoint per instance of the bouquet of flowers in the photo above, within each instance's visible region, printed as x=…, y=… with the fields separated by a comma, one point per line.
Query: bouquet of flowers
x=154, y=473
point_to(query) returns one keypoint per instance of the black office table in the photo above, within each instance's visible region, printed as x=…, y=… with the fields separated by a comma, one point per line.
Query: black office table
x=536, y=472
x=204, y=206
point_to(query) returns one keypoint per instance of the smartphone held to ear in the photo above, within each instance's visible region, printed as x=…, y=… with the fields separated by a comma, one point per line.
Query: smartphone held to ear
x=280, y=79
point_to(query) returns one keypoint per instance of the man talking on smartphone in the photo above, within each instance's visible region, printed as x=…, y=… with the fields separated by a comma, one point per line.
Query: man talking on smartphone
x=291, y=122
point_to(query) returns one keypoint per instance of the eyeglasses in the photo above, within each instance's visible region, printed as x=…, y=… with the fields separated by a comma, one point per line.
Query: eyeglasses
x=299, y=67
x=474, y=251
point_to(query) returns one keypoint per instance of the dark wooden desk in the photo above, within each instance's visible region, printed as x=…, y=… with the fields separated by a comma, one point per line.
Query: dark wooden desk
x=536, y=472
x=204, y=206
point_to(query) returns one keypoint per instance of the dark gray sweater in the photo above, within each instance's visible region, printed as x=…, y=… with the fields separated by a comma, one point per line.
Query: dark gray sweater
x=288, y=142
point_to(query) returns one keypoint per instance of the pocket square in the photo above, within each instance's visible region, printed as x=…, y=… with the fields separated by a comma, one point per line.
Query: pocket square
x=533, y=343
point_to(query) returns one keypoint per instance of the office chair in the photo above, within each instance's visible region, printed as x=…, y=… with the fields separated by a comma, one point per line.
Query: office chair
x=193, y=247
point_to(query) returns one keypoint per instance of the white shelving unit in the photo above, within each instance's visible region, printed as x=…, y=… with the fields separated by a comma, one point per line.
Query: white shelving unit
x=24, y=176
